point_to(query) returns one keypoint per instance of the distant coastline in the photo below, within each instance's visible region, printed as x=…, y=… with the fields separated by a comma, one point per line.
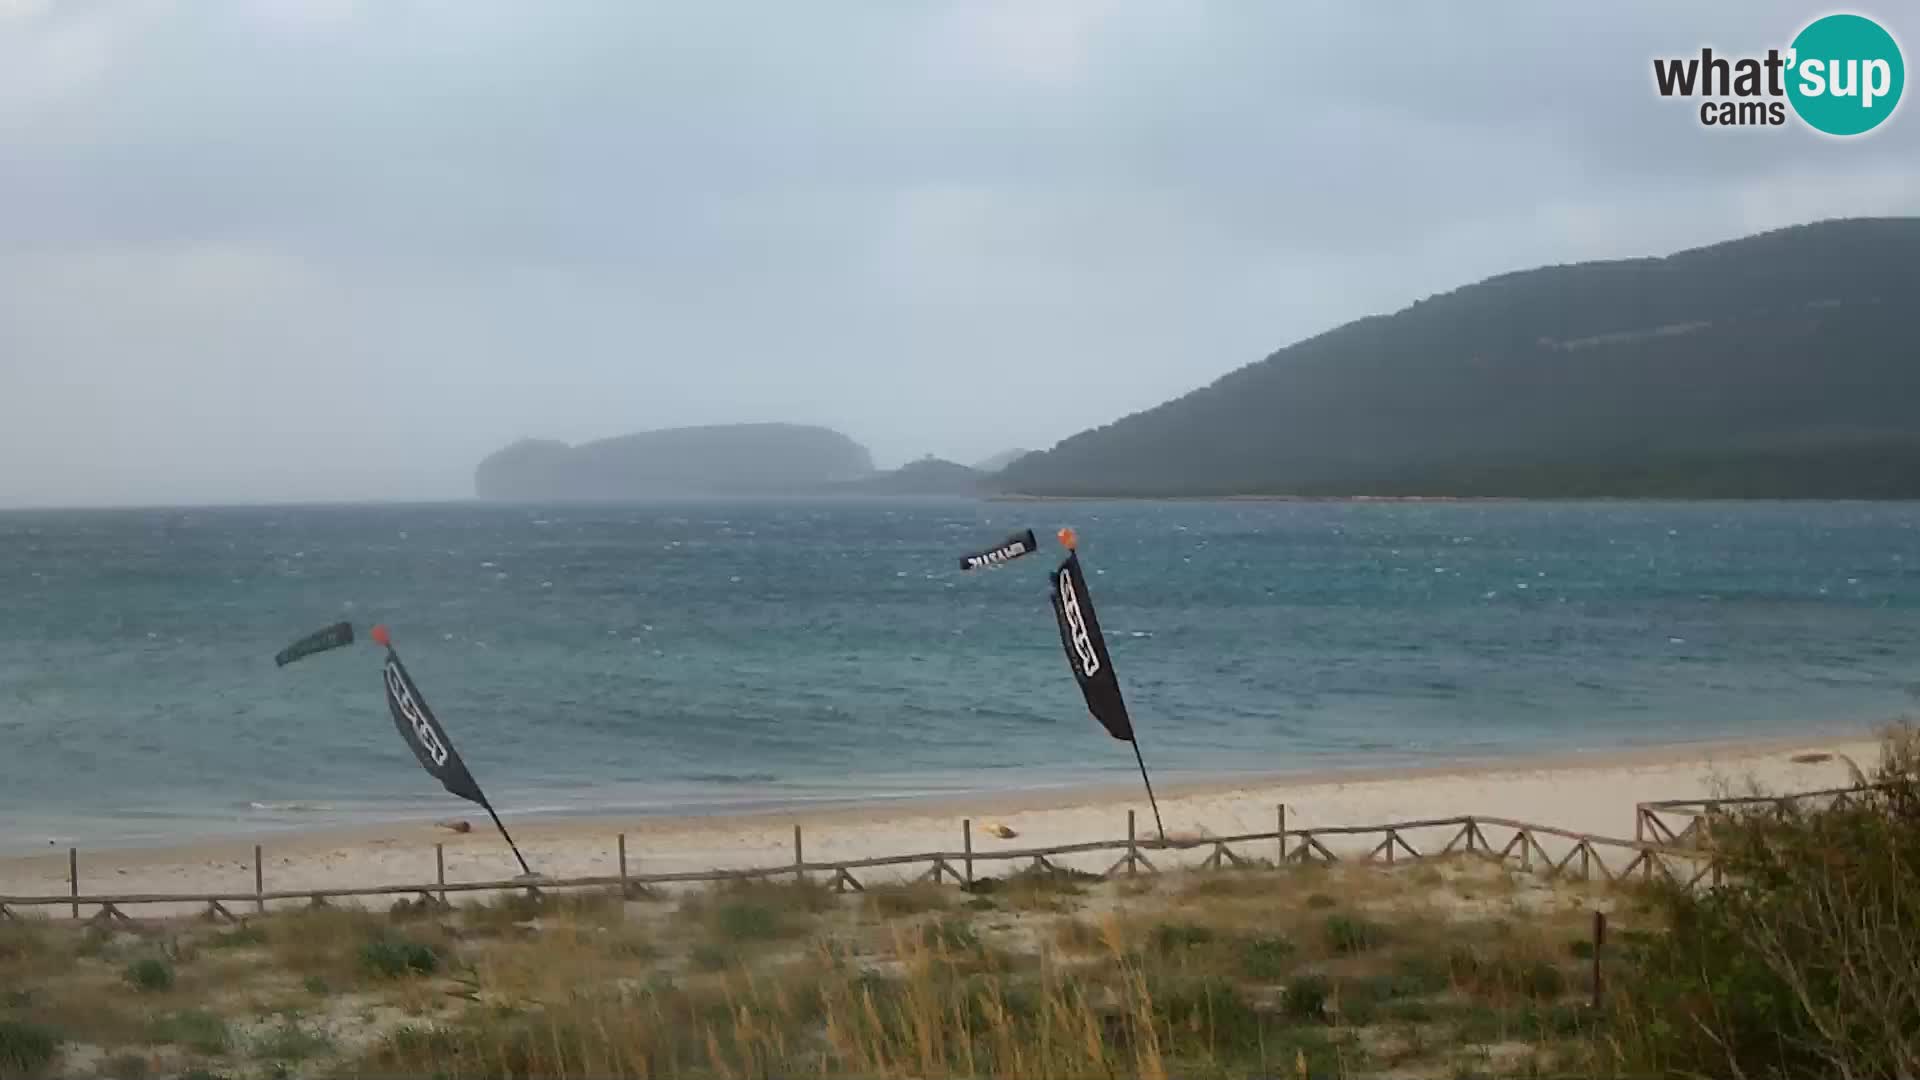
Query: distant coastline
x=1273, y=498
x=1667, y=499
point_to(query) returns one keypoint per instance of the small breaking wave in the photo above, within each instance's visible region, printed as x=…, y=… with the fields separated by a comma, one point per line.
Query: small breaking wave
x=290, y=807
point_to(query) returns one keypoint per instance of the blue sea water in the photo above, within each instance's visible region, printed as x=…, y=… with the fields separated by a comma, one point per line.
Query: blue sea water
x=708, y=655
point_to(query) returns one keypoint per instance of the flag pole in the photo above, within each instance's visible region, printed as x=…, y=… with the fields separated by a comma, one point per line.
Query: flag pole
x=1151, y=801
x=509, y=837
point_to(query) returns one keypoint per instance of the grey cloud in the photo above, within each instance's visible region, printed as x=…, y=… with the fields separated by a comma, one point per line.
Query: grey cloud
x=233, y=231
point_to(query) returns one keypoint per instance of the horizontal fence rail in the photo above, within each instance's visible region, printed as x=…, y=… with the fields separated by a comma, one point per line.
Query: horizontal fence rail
x=1695, y=817
x=1581, y=859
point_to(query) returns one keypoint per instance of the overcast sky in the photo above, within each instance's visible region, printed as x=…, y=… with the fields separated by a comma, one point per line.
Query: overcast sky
x=324, y=249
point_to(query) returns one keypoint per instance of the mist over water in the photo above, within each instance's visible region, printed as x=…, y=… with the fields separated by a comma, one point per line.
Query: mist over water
x=704, y=655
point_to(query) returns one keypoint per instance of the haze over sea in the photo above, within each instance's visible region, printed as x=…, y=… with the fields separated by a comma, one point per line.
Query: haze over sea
x=701, y=656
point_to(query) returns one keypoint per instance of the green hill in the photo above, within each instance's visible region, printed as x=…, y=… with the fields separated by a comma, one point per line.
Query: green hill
x=1785, y=364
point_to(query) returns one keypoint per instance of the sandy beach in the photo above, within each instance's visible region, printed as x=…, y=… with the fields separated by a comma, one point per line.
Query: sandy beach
x=1592, y=793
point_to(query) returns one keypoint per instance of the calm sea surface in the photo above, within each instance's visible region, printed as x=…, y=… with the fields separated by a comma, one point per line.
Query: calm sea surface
x=698, y=656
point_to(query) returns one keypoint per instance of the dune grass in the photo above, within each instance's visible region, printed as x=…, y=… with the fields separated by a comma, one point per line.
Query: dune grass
x=1351, y=970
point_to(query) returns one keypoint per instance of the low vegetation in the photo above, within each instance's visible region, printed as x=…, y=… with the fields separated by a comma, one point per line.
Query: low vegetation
x=1050, y=973
x=1807, y=962
x=1801, y=965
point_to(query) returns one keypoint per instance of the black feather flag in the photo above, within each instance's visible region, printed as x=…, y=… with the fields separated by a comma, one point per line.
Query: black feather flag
x=1020, y=543
x=1087, y=649
x=429, y=741
x=333, y=637
x=424, y=735
x=1092, y=666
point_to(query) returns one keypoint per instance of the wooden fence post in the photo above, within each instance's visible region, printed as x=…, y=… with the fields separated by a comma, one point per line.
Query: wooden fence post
x=73, y=878
x=259, y=884
x=440, y=870
x=1282, y=812
x=1599, y=942
x=1640, y=834
x=966, y=843
x=799, y=875
x=1133, y=851
x=624, y=894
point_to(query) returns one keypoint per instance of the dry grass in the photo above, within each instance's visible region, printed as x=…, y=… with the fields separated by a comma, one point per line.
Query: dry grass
x=895, y=901
x=1351, y=969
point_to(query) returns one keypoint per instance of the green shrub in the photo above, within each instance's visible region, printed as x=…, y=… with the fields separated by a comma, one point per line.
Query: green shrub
x=396, y=957
x=1802, y=963
x=1209, y=1015
x=196, y=1029
x=707, y=956
x=1265, y=958
x=1555, y=1021
x=1306, y=997
x=26, y=1049
x=745, y=921
x=1353, y=934
x=1423, y=973
x=1543, y=980
x=150, y=974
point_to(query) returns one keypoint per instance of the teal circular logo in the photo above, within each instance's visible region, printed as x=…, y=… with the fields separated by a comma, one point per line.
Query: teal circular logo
x=1846, y=74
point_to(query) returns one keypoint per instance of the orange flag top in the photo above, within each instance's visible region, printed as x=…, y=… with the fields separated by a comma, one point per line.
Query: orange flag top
x=379, y=635
x=1068, y=540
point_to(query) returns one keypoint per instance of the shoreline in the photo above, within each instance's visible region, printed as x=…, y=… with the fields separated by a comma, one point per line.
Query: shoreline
x=1591, y=792
x=1064, y=794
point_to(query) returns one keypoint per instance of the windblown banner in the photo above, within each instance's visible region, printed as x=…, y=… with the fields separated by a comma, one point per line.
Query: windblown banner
x=424, y=735
x=1087, y=649
x=1020, y=543
x=338, y=635
x=1092, y=666
x=429, y=742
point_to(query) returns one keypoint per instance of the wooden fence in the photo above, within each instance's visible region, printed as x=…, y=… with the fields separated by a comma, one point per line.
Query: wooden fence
x=1501, y=839
x=1688, y=823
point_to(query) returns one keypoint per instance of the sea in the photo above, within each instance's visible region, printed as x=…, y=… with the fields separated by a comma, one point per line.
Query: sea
x=712, y=656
